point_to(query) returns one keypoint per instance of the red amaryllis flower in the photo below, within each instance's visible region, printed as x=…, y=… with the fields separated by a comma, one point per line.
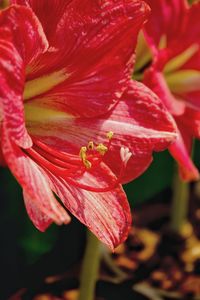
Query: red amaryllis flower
x=66, y=64
x=173, y=34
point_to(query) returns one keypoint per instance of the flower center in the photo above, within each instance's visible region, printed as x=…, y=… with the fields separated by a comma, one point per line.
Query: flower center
x=72, y=167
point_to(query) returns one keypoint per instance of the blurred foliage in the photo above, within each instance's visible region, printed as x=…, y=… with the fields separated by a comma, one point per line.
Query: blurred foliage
x=35, y=243
x=196, y=153
x=31, y=242
x=158, y=177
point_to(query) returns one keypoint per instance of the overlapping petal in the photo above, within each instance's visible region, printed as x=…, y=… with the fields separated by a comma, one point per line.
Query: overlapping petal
x=21, y=40
x=155, y=80
x=173, y=34
x=141, y=135
x=96, y=55
x=181, y=150
x=34, y=184
x=72, y=89
x=185, y=120
x=106, y=214
x=167, y=20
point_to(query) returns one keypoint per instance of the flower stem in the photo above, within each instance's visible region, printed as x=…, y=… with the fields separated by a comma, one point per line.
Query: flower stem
x=90, y=268
x=179, y=210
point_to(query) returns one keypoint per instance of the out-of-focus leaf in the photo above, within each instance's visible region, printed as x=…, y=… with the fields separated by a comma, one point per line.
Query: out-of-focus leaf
x=35, y=243
x=158, y=177
x=17, y=229
x=196, y=153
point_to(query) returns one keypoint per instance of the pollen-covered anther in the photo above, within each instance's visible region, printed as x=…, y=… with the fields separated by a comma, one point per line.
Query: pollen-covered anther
x=102, y=149
x=83, y=156
x=125, y=155
x=110, y=135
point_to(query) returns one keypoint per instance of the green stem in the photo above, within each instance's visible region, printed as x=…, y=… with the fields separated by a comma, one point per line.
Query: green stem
x=90, y=268
x=179, y=210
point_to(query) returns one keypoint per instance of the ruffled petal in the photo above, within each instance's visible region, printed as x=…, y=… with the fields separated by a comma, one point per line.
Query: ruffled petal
x=34, y=185
x=21, y=40
x=106, y=214
x=95, y=56
x=141, y=135
x=181, y=151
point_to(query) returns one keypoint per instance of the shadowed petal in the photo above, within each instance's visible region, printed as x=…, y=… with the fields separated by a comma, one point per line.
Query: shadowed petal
x=181, y=151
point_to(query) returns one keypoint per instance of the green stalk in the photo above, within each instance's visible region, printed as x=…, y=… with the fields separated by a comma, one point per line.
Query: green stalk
x=90, y=268
x=180, y=203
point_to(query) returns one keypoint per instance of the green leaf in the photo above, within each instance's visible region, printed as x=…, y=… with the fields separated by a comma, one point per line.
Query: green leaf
x=157, y=178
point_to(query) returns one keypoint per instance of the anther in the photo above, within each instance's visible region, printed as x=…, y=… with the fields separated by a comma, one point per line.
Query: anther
x=83, y=156
x=110, y=135
x=102, y=149
x=90, y=145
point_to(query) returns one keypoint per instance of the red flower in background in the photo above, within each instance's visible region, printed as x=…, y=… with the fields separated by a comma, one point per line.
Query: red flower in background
x=65, y=87
x=173, y=34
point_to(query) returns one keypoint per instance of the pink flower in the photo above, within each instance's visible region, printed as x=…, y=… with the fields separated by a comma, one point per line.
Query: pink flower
x=173, y=34
x=65, y=89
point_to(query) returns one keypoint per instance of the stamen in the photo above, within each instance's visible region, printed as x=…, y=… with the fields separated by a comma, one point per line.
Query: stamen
x=110, y=135
x=102, y=149
x=56, y=169
x=90, y=145
x=125, y=155
x=70, y=158
x=67, y=165
x=83, y=156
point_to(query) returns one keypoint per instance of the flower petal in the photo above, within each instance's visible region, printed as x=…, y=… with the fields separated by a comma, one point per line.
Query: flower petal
x=39, y=219
x=181, y=151
x=106, y=214
x=191, y=121
x=21, y=40
x=96, y=54
x=48, y=12
x=156, y=82
x=141, y=135
x=166, y=20
x=34, y=185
